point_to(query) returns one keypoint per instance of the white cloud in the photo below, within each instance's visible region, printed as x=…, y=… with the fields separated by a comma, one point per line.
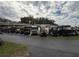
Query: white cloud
x=62, y=12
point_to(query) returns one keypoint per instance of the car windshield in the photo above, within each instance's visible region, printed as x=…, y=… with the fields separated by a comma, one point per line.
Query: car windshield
x=66, y=27
x=34, y=27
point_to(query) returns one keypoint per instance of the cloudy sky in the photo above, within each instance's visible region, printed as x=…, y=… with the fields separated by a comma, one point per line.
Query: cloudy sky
x=63, y=12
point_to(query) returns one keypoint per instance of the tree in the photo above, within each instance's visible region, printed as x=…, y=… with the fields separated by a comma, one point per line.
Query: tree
x=4, y=20
x=40, y=20
x=27, y=19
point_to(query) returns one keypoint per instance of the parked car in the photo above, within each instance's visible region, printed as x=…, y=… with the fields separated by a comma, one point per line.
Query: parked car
x=54, y=31
x=18, y=30
x=44, y=30
x=67, y=30
x=1, y=32
x=10, y=29
x=34, y=30
x=25, y=30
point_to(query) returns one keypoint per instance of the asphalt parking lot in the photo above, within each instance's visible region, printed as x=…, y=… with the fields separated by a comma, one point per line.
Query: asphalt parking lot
x=45, y=46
